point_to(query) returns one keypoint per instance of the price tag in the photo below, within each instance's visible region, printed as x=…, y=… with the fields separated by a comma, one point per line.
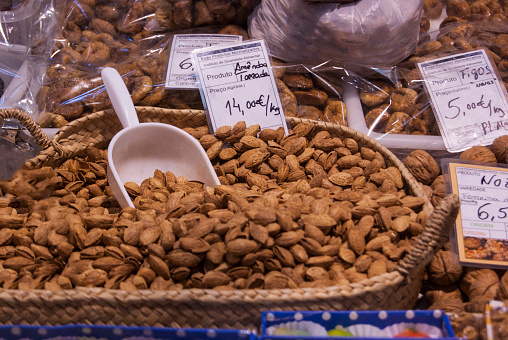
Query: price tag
x=237, y=84
x=180, y=73
x=482, y=224
x=468, y=99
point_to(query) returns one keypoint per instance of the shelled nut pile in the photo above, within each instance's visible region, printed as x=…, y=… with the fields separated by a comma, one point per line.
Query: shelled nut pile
x=329, y=212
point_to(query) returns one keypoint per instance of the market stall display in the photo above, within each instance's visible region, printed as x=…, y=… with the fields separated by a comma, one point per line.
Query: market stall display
x=103, y=231
x=350, y=210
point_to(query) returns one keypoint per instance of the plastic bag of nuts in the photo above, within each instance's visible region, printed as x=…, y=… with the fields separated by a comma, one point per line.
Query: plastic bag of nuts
x=177, y=15
x=395, y=102
x=72, y=85
x=310, y=94
x=92, y=34
x=369, y=32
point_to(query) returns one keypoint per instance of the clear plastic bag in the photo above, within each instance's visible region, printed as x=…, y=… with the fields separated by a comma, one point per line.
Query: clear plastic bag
x=491, y=324
x=73, y=87
x=18, y=21
x=22, y=23
x=395, y=108
x=305, y=93
x=177, y=15
x=370, y=33
x=99, y=33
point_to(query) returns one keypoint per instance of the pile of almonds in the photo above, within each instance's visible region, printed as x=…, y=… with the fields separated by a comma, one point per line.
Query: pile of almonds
x=309, y=209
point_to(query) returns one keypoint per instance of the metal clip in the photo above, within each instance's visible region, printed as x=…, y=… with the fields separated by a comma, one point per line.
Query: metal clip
x=10, y=134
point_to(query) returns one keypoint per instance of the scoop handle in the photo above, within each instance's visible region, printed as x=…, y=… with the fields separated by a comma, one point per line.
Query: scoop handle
x=120, y=97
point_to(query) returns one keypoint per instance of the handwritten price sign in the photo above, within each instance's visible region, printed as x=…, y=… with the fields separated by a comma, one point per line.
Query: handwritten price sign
x=468, y=99
x=180, y=72
x=237, y=84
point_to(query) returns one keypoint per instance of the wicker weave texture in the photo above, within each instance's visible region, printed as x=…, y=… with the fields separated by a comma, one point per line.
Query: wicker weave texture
x=216, y=308
x=197, y=308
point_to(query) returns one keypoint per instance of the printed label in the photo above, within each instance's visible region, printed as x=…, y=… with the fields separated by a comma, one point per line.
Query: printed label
x=237, y=84
x=181, y=73
x=482, y=224
x=468, y=99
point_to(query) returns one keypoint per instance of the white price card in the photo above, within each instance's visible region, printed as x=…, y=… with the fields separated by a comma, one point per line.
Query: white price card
x=237, y=84
x=468, y=99
x=481, y=228
x=180, y=72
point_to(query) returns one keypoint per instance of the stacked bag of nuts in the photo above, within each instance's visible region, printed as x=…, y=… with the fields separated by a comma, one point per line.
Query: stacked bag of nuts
x=171, y=14
x=120, y=34
x=401, y=106
x=450, y=286
x=304, y=210
x=98, y=33
x=397, y=109
x=310, y=95
x=462, y=11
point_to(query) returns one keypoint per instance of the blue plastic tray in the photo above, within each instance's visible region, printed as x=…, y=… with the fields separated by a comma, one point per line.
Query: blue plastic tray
x=330, y=319
x=92, y=332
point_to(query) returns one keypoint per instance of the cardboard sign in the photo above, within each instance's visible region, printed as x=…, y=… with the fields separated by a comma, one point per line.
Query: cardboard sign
x=468, y=99
x=237, y=84
x=181, y=73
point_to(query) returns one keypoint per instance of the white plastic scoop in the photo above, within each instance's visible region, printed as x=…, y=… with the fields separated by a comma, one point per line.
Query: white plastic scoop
x=139, y=149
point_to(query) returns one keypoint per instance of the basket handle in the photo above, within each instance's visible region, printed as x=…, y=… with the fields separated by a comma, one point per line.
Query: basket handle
x=435, y=233
x=35, y=130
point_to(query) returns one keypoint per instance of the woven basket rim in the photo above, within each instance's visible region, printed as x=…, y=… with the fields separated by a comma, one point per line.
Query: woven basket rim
x=383, y=279
x=400, y=283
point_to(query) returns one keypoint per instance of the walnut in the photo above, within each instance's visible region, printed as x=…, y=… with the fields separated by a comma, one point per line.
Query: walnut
x=437, y=293
x=478, y=153
x=502, y=293
x=484, y=288
x=438, y=190
x=444, y=268
x=477, y=305
x=448, y=305
x=423, y=166
x=476, y=274
x=500, y=148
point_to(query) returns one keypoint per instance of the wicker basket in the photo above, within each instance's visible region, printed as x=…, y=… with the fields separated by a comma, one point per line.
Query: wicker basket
x=206, y=307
